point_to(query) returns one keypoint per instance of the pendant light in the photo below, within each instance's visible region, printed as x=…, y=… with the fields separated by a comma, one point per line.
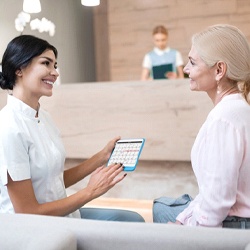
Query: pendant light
x=31, y=6
x=90, y=2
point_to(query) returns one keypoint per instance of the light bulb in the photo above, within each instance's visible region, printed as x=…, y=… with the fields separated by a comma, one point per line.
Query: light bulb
x=31, y=6
x=90, y=2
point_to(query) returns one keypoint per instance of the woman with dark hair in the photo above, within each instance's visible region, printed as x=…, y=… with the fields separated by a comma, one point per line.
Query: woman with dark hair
x=32, y=156
x=19, y=53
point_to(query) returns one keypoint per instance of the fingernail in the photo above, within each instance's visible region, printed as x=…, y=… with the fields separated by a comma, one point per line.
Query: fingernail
x=125, y=175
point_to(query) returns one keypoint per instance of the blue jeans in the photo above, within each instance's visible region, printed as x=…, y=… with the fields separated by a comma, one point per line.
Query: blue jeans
x=166, y=209
x=110, y=214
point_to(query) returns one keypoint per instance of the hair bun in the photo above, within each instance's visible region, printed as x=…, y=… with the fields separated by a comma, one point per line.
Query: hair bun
x=3, y=83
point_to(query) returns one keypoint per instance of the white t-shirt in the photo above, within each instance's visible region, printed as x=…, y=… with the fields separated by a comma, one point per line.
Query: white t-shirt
x=30, y=148
x=147, y=61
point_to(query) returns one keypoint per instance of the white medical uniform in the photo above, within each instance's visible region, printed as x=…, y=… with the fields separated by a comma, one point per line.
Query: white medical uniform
x=30, y=148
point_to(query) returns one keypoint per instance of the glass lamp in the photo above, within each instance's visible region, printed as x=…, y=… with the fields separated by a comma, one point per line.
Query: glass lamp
x=90, y=2
x=31, y=6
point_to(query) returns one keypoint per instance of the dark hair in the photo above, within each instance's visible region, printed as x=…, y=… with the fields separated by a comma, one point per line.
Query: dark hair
x=18, y=54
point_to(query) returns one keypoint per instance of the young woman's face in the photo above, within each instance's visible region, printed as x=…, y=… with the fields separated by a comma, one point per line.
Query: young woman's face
x=38, y=77
x=160, y=40
x=202, y=77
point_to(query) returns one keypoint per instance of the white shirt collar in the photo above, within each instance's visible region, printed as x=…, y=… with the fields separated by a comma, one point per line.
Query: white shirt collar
x=21, y=106
x=161, y=52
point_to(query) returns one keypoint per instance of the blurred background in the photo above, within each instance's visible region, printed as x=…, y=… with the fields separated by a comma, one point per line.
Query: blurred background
x=107, y=42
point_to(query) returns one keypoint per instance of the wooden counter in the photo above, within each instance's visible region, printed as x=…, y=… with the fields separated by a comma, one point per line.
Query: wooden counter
x=166, y=113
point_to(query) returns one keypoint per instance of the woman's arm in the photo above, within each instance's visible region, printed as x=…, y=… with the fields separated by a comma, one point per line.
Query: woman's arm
x=180, y=73
x=217, y=159
x=75, y=174
x=24, y=201
x=145, y=74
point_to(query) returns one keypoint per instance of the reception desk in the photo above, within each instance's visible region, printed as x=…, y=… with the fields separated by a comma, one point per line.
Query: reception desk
x=164, y=112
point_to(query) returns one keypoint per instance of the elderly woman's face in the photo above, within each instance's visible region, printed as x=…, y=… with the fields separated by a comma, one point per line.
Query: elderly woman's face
x=202, y=77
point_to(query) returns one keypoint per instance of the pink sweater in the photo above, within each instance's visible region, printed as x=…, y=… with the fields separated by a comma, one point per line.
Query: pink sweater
x=221, y=162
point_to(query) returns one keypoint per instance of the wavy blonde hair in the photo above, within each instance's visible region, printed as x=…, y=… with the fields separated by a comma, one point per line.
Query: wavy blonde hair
x=226, y=43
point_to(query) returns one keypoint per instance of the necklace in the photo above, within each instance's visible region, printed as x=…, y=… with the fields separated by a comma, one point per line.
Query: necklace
x=221, y=94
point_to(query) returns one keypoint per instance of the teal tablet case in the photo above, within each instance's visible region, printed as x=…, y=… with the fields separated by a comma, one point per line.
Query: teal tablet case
x=132, y=168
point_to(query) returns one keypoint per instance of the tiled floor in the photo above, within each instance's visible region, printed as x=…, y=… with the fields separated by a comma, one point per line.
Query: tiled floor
x=150, y=180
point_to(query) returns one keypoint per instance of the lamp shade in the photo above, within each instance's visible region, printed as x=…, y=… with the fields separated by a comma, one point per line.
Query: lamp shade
x=90, y=2
x=31, y=6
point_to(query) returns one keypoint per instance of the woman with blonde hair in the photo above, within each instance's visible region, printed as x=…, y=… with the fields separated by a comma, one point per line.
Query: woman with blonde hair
x=219, y=64
x=162, y=62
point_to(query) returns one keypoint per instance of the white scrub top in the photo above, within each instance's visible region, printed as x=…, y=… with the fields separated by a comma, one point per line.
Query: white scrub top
x=30, y=148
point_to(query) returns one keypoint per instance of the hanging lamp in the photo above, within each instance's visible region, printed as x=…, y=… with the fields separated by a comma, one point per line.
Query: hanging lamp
x=31, y=6
x=90, y=2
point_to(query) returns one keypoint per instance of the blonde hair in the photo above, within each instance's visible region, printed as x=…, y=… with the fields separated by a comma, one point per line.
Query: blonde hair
x=160, y=29
x=226, y=43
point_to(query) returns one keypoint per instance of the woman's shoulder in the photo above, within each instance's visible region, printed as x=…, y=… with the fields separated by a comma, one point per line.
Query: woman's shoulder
x=8, y=121
x=233, y=109
x=6, y=115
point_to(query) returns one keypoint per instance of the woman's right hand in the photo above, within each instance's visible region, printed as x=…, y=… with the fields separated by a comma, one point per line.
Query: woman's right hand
x=103, y=179
x=171, y=75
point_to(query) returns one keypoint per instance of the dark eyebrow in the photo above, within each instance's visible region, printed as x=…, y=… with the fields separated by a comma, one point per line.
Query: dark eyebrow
x=49, y=59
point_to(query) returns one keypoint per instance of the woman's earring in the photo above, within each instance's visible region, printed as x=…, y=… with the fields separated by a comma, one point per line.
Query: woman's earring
x=218, y=90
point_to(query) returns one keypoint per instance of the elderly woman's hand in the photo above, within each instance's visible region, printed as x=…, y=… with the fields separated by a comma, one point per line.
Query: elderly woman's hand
x=175, y=223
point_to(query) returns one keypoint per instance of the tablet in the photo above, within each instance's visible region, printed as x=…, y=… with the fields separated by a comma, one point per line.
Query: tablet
x=127, y=152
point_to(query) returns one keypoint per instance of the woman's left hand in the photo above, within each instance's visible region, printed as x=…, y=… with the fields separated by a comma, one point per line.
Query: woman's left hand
x=108, y=148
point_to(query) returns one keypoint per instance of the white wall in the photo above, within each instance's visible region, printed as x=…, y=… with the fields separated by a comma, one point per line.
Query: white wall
x=73, y=37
